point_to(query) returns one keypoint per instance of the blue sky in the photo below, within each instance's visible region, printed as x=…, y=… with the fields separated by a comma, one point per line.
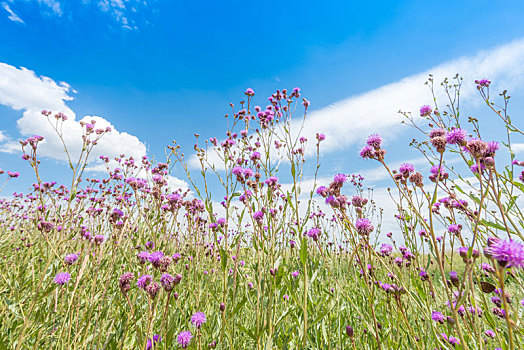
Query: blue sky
x=163, y=70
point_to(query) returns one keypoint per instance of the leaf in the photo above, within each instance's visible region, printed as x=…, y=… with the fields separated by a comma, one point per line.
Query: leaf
x=303, y=251
x=223, y=258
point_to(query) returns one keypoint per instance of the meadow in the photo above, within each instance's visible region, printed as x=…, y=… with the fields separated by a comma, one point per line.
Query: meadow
x=259, y=253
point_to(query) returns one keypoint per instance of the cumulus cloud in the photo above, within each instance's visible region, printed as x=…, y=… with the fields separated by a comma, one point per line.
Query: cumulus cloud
x=22, y=89
x=346, y=122
x=12, y=16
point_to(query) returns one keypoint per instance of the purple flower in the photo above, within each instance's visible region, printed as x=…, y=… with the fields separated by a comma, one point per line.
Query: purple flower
x=295, y=274
x=198, y=319
x=374, y=141
x=406, y=169
x=339, y=179
x=425, y=111
x=155, y=257
x=454, y=229
x=385, y=249
x=456, y=136
x=482, y=83
x=167, y=282
x=493, y=147
x=124, y=282
x=367, y=152
x=156, y=339
x=437, y=317
x=99, y=239
x=144, y=280
x=62, y=278
x=507, y=253
x=143, y=257
x=364, y=226
x=314, y=233
x=71, y=258
x=184, y=338
x=490, y=333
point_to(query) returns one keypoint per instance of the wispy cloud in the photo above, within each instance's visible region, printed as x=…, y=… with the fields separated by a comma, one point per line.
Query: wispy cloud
x=12, y=16
x=349, y=121
x=53, y=5
x=121, y=10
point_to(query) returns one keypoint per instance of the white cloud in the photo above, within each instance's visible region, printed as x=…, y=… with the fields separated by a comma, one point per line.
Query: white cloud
x=119, y=11
x=349, y=121
x=518, y=148
x=53, y=5
x=22, y=89
x=12, y=16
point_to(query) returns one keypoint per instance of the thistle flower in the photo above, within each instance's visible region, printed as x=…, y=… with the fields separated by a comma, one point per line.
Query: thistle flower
x=124, y=282
x=507, y=253
x=144, y=281
x=349, y=331
x=62, y=278
x=456, y=137
x=184, y=338
x=168, y=282
x=438, y=317
x=425, y=111
x=155, y=258
x=314, y=233
x=152, y=289
x=142, y=257
x=364, y=226
x=455, y=229
x=198, y=319
x=71, y=258
x=386, y=249
x=152, y=342
x=367, y=152
x=339, y=179
x=374, y=141
x=99, y=239
x=406, y=169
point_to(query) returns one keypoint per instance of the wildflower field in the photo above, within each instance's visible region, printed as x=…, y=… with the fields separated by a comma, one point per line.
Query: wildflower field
x=260, y=253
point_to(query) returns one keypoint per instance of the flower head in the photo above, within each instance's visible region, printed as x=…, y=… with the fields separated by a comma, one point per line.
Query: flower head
x=198, y=319
x=364, y=226
x=184, y=338
x=62, y=278
x=456, y=136
x=374, y=141
x=71, y=258
x=507, y=253
x=151, y=342
x=425, y=111
x=144, y=281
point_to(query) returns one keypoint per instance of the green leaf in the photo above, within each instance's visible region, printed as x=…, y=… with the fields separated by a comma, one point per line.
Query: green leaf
x=303, y=251
x=223, y=258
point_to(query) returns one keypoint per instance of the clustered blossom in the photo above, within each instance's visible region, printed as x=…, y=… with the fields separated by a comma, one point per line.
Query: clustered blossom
x=198, y=319
x=364, y=226
x=70, y=259
x=373, y=149
x=152, y=342
x=184, y=338
x=506, y=253
x=62, y=278
x=125, y=282
x=314, y=233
